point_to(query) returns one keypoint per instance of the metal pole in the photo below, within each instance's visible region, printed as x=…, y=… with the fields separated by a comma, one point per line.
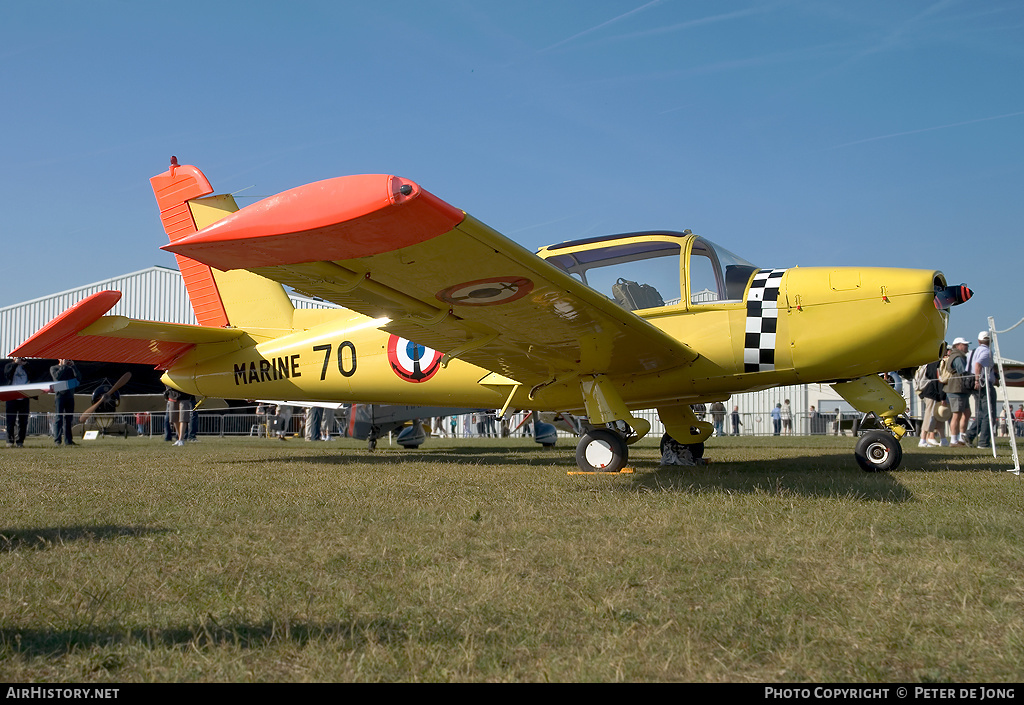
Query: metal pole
x=1006, y=400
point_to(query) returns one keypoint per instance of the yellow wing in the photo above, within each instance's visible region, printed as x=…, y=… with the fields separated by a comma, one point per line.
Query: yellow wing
x=385, y=248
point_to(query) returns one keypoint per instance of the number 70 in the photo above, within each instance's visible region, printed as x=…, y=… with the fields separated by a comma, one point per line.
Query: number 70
x=345, y=370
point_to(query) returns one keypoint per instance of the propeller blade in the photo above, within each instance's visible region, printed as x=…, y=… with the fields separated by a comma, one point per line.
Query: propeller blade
x=88, y=412
x=121, y=382
x=117, y=385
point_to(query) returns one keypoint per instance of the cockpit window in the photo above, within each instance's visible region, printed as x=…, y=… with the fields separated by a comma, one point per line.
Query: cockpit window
x=646, y=273
x=636, y=275
x=716, y=275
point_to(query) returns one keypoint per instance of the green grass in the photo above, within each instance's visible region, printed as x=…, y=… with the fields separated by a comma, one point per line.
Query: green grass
x=254, y=560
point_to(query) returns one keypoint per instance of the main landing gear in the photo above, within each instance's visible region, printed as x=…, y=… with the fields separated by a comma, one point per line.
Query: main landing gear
x=602, y=450
x=605, y=446
x=694, y=450
x=607, y=450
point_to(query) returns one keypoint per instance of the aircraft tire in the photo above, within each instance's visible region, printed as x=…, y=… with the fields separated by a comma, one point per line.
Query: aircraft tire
x=696, y=449
x=371, y=444
x=878, y=451
x=602, y=450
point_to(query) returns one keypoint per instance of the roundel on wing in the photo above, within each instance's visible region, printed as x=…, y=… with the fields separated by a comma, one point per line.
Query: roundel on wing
x=412, y=362
x=487, y=292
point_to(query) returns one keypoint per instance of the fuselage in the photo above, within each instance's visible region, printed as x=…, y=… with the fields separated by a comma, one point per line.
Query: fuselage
x=754, y=329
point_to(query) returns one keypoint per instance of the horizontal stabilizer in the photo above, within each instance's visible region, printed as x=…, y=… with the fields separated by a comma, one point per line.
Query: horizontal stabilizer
x=84, y=333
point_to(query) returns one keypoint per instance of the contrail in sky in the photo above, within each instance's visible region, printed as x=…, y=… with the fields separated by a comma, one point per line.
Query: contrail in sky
x=604, y=24
x=927, y=129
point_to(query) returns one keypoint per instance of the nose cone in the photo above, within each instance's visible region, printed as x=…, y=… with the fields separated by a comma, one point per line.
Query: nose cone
x=952, y=296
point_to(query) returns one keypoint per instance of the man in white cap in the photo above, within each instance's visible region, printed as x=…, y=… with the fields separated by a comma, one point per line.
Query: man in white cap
x=959, y=400
x=980, y=362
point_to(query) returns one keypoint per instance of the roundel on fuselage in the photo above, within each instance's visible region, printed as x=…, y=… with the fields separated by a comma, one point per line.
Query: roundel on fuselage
x=411, y=361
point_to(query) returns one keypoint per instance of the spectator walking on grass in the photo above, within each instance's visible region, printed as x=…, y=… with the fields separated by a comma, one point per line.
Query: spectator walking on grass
x=932, y=394
x=179, y=409
x=17, y=409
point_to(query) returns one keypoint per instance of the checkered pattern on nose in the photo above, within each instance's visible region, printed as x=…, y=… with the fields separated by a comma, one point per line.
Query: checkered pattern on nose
x=762, y=321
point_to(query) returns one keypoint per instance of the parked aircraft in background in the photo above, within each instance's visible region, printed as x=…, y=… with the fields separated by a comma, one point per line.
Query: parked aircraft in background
x=11, y=392
x=599, y=327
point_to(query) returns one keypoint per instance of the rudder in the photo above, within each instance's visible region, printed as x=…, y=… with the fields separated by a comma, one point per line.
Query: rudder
x=239, y=298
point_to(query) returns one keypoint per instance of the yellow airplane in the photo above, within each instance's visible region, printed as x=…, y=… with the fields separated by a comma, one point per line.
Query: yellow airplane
x=570, y=328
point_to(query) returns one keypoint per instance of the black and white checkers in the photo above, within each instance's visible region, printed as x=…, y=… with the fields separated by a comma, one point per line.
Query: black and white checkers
x=762, y=321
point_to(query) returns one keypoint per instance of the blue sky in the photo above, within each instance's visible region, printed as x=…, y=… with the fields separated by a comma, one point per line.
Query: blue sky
x=792, y=132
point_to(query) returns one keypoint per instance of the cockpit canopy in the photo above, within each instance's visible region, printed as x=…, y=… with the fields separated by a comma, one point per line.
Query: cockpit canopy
x=655, y=269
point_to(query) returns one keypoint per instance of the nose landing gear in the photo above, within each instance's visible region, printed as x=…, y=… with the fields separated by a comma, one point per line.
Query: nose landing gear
x=878, y=451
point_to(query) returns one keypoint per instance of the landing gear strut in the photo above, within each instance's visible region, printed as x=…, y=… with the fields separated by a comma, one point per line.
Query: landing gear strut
x=605, y=449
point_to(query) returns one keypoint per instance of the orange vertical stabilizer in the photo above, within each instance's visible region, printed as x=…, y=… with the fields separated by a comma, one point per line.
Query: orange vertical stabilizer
x=173, y=190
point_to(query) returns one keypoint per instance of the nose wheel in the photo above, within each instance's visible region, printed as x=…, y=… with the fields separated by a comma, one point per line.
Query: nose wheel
x=602, y=450
x=878, y=451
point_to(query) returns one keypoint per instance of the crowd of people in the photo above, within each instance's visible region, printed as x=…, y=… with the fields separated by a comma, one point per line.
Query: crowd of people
x=951, y=386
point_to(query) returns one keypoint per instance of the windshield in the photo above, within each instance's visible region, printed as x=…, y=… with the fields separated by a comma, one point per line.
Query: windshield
x=717, y=275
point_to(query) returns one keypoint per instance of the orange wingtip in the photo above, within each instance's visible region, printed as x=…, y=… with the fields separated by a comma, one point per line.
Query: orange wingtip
x=66, y=326
x=337, y=219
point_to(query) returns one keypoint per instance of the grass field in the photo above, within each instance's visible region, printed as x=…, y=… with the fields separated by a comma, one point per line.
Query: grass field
x=246, y=559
